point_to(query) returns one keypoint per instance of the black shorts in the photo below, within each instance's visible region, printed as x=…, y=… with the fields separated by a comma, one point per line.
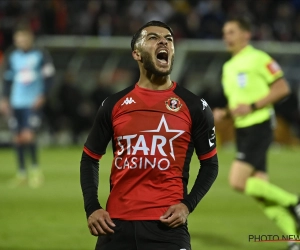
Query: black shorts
x=145, y=235
x=24, y=118
x=253, y=143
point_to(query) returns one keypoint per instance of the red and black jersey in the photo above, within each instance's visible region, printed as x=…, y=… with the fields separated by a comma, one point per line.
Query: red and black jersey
x=154, y=134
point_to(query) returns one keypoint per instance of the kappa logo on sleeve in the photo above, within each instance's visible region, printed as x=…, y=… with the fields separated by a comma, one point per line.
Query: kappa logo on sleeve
x=273, y=67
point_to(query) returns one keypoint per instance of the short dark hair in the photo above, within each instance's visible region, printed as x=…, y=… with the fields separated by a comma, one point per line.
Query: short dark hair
x=23, y=28
x=151, y=23
x=243, y=22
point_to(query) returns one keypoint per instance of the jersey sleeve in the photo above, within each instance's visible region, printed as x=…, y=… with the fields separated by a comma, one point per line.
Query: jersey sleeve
x=101, y=132
x=47, y=70
x=269, y=68
x=8, y=75
x=203, y=131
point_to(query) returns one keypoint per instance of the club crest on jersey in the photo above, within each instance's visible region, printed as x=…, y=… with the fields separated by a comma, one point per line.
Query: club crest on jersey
x=173, y=104
x=242, y=79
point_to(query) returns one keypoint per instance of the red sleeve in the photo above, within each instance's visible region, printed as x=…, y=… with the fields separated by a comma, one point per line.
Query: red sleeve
x=91, y=154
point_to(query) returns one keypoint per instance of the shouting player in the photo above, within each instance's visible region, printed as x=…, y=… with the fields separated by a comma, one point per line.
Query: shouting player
x=154, y=125
x=252, y=82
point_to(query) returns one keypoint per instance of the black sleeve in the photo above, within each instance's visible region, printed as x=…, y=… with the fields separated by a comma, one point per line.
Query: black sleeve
x=94, y=148
x=203, y=130
x=48, y=71
x=102, y=131
x=8, y=75
x=89, y=179
x=206, y=176
x=204, y=139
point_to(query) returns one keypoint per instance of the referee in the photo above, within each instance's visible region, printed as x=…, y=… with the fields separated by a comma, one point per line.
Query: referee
x=252, y=81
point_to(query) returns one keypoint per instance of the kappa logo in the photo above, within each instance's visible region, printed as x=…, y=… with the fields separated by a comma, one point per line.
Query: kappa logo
x=204, y=103
x=128, y=101
x=173, y=104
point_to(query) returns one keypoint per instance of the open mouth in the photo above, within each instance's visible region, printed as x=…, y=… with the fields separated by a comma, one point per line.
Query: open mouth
x=162, y=56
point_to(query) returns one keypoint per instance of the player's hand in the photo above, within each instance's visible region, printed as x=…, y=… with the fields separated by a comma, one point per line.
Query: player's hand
x=219, y=114
x=40, y=101
x=100, y=223
x=175, y=216
x=5, y=107
x=241, y=110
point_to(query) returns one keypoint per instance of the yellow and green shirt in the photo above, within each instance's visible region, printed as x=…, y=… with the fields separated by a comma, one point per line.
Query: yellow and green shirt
x=246, y=78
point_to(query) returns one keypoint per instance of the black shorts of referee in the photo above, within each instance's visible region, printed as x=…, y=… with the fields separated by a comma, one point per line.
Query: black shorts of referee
x=144, y=235
x=253, y=143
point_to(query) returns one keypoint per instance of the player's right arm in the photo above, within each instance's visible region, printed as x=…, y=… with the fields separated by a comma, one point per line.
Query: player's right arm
x=99, y=221
x=8, y=75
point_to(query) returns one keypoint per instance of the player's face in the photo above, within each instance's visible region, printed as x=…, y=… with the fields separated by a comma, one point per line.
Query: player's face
x=23, y=40
x=157, y=50
x=234, y=37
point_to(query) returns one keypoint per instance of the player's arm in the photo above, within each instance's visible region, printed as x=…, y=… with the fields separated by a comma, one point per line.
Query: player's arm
x=278, y=90
x=99, y=221
x=205, y=145
x=47, y=72
x=8, y=75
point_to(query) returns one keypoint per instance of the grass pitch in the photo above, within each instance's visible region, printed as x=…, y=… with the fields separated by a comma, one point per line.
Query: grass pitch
x=52, y=217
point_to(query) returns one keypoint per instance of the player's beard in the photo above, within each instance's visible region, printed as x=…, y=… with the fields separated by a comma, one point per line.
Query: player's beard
x=150, y=66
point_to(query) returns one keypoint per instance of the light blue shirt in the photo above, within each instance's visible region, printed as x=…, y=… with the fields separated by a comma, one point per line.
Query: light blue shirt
x=25, y=71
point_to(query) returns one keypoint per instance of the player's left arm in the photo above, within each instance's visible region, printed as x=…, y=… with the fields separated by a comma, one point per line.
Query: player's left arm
x=8, y=75
x=47, y=72
x=203, y=136
x=278, y=90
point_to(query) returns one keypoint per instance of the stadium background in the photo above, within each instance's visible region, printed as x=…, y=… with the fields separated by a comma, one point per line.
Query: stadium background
x=90, y=45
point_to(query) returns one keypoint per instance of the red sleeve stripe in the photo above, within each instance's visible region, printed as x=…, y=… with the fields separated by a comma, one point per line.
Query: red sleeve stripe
x=208, y=155
x=91, y=154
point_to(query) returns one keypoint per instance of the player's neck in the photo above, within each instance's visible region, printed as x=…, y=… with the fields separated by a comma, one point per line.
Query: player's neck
x=238, y=50
x=155, y=82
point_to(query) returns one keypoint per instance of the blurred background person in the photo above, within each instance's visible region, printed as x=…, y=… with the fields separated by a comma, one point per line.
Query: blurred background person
x=99, y=93
x=252, y=83
x=74, y=110
x=28, y=75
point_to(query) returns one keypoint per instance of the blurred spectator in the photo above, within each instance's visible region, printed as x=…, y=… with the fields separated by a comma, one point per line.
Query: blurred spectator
x=99, y=94
x=189, y=18
x=74, y=110
x=283, y=22
x=151, y=10
x=87, y=20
